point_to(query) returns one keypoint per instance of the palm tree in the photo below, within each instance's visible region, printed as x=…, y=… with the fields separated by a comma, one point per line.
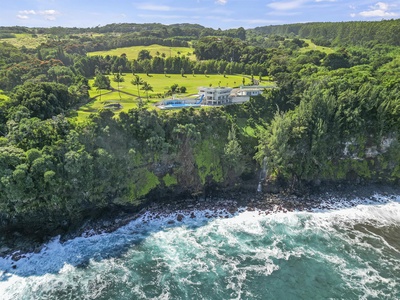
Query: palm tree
x=147, y=87
x=118, y=78
x=101, y=82
x=137, y=81
x=99, y=90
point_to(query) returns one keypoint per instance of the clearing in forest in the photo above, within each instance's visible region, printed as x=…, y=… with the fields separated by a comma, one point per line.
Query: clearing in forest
x=312, y=46
x=127, y=97
x=25, y=39
x=132, y=52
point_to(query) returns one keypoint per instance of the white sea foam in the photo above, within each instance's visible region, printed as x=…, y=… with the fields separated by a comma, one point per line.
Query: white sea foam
x=225, y=253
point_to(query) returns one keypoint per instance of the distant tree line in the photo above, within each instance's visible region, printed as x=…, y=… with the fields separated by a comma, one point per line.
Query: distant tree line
x=340, y=33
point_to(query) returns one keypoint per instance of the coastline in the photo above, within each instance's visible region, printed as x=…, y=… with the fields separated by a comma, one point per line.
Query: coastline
x=221, y=206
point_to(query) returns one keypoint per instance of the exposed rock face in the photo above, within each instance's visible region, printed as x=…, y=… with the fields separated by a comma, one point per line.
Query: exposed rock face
x=232, y=209
x=4, y=250
x=179, y=217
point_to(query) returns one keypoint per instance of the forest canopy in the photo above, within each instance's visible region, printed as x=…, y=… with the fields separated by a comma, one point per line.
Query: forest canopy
x=334, y=116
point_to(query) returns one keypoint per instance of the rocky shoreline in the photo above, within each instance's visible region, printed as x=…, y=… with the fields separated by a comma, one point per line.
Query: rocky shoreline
x=222, y=206
x=265, y=203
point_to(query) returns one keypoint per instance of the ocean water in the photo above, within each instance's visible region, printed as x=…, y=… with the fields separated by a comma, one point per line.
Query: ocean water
x=350, y=252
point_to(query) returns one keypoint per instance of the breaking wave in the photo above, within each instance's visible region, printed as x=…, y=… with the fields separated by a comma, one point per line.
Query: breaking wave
x=350, y=252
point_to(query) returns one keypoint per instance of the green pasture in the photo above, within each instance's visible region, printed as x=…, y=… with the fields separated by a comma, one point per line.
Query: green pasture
x=128, y=102
x=312, y=46
x=128, y=95
x=162, y=83
x=25, y=39
x=132, y=52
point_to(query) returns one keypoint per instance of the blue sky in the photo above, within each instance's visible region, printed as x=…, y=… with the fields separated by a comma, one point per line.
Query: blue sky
x=222, y=14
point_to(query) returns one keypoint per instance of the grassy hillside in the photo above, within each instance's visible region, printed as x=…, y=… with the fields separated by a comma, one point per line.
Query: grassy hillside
x=132, y=52
x=312, y=46
x=25, y=39
x=161, y=84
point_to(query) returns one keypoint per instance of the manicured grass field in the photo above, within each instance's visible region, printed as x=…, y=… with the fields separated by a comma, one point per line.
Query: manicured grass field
x=128, y=97
x=162, y=83
x=312, y=46
x=25, y=39
x=132, y=52
x=128, y=102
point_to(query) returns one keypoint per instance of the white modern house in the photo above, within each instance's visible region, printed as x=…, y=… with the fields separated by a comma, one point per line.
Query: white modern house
x=215, y=95
x=253, y=90
x=227, y=95
x=249, y=91
x=244, y=93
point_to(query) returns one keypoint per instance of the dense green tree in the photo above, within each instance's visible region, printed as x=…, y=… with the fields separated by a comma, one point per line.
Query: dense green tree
x=43, y=100
x=336, y=60
x=144, y=54
x=101, y=82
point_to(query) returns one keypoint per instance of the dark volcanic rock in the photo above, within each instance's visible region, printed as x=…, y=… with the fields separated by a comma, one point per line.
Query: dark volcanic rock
x=232, y=209
x=4, y=250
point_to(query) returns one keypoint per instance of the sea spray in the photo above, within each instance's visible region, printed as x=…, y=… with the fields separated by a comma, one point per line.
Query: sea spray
x=343, y=249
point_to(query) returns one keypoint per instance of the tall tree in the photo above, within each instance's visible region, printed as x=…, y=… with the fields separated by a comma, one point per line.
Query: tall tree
x=118, y=78
x=147, y=87
x=144, y=54
x=138, y=82
x=101, y=82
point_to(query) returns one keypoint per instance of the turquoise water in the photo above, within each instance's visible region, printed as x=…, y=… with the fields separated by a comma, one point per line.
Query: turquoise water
x=347, y=253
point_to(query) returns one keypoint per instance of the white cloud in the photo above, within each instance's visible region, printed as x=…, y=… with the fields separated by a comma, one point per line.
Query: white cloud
x=49, y=14
x=165, y=8
x=294, y=4
x=380, y=9
x=352, y=15
x=221, y=2
x=39, y=12
x=286, y=5
x=27, y=12
x=382, y=5
x=22, y=17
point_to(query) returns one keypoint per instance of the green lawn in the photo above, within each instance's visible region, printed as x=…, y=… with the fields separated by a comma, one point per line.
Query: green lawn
x=25, y=39
x=132, y=52
x=312, y=46
x=160, y=84
x=127, y=102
